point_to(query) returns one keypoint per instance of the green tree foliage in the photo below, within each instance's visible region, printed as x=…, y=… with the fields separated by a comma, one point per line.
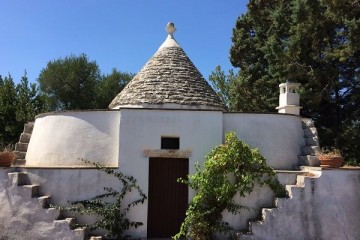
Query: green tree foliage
x=110, y=86
x=7, y=111
x=221, y=83
x=315, y=43
x=18, y=104
x=75, y=82
x=70, y=82
x=231, y=168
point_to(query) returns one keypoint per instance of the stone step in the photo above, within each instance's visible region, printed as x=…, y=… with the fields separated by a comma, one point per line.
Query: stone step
x=266, y=211
x=21, y=147
x=301, y=180
x=310, y=150
x=279, y=202
x=33, y=190
x=287, y=177
x=310, y=132
x=28, y=127
x=18, y=162
x=253, y=225
x=44, y=201
x=96, y=238
x=312, y=141
x=306, y=180
x=307, y=122
x=56, y=213
x=80, y=233
x=294, y=191
x=18, y=178
x=67, y=223
x=19, y=155
x=244, y=236
x=309, y=160
x=25, y=138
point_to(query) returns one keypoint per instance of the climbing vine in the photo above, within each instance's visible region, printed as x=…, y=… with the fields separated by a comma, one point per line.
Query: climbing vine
x=109, y=205
x=231, y=168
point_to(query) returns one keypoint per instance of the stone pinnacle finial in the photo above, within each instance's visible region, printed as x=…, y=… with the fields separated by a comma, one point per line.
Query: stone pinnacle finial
x=170, y=28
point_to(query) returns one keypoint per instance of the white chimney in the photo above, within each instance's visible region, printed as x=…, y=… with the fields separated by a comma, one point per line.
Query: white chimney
x=289, y=99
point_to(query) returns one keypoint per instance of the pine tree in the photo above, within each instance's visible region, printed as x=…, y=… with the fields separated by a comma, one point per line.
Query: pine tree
x=315, y=43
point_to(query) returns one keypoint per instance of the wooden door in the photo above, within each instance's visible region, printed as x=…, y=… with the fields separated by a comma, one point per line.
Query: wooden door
x=168, y=199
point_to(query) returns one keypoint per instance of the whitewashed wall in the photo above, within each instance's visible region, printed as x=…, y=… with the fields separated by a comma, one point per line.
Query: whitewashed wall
x=59, y=139
x=119, y=139
x=328, y=208
x=279, y=137
x=142, y=129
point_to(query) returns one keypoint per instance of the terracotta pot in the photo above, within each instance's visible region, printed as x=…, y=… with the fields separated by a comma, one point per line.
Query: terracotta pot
x=6, y=159
x=332, y=162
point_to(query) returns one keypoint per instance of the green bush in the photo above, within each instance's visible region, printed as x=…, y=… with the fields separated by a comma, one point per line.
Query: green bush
x=231, y=168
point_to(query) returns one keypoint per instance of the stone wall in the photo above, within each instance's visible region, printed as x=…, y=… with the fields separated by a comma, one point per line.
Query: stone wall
x=319, y=208
x=326, y=207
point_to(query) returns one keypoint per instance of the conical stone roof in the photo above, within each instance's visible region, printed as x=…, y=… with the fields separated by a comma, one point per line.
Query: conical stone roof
x=168, y=80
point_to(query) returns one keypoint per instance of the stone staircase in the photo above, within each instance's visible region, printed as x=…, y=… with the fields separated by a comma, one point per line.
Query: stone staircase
x=22, y=145
x=35, y=209
x=311, y=148
x=281, y=212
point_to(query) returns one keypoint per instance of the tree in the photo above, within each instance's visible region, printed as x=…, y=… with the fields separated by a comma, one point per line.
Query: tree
x=221, y=84
x=314, y=43
x=110, y=86
x=75, y=82
x=18, y=104
x=70, y=82
x=8, y=129
x=29, y=101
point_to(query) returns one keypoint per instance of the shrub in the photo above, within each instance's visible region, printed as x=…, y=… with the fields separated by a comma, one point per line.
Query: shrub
x=109, y=206
x=231, y=168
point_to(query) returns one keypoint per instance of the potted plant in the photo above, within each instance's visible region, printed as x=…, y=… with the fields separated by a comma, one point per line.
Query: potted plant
x=6, y=156
x=330, y=158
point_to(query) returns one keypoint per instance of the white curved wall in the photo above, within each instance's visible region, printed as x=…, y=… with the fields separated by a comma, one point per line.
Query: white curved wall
x=60, y=139
x=279, y=137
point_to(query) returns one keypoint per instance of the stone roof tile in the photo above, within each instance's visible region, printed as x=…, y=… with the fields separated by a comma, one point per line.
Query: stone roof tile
x=169, y=77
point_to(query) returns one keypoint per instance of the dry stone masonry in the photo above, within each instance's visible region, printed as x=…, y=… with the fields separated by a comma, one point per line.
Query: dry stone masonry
x=25, y=214
x=169, y=77
x=22, y=145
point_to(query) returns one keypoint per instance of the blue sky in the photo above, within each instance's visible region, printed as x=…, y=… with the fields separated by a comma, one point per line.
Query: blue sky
x=116, y=34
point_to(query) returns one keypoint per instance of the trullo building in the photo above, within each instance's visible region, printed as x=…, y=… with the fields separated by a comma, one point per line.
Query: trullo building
x=167, y=118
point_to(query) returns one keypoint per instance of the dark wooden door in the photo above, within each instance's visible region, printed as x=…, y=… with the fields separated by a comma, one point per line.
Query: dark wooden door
x=168, y=199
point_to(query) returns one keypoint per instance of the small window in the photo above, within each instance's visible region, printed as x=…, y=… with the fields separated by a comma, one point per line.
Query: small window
x=170, y=143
